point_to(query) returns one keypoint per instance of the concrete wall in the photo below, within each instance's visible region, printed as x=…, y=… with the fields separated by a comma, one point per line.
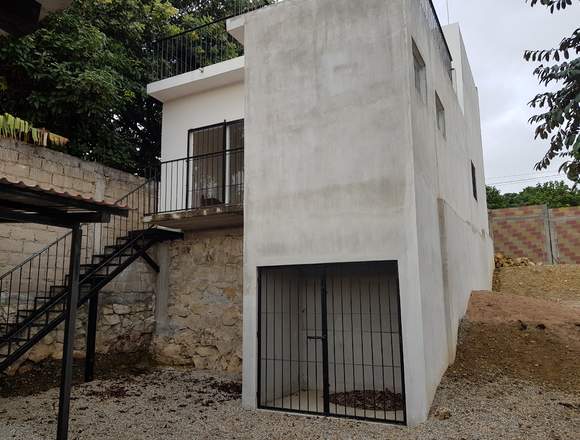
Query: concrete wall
x=455, y=254
x=329, y=168
x=350, y=166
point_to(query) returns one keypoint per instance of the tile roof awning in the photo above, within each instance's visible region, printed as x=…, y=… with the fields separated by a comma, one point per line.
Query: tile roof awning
x=23, y=203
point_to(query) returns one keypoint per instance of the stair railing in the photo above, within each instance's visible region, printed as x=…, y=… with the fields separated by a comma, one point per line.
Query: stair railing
x=30, y=285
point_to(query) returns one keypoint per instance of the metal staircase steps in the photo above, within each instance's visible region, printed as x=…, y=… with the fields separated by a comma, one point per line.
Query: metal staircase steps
x=39, y=315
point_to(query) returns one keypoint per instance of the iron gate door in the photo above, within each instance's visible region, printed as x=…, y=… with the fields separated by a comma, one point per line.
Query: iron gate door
x=329, y=341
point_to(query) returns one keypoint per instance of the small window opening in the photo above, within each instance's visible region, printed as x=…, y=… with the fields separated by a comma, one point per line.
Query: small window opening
x=440, y=116
x=420, y=73
x=474, y=180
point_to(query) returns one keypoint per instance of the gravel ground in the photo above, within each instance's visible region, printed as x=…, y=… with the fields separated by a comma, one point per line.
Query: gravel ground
x=516, y=377
x=185, y=404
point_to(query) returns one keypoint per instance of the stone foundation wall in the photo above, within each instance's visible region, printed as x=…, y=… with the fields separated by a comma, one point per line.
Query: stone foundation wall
x=204, y=316
x=126, y=312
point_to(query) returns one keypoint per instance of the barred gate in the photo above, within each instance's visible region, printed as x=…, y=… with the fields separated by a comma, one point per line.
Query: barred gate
x=330, y=341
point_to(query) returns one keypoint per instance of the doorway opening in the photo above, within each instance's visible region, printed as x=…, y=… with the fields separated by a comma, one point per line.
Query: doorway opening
x=329, y=341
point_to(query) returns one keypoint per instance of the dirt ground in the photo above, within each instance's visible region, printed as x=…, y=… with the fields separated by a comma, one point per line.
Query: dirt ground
x=558, y=283
x=516, y=377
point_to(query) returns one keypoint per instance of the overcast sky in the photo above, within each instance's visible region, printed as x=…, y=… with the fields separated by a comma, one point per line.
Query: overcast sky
x=496, y=33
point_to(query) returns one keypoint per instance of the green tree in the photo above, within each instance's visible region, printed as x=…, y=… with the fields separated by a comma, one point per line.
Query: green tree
x=553, y=194
x=83, y=74
x=559, y=117
x=495, y=199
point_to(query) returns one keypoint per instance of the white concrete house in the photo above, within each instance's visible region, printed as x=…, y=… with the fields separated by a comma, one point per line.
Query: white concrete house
x=346, y=140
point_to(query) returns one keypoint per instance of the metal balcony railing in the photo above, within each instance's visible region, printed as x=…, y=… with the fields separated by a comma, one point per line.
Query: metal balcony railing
x=203, y=45
x=210, y=43
x=437, y=33
x=205, y=181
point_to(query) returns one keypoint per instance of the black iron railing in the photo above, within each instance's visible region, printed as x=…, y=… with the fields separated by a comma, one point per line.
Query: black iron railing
x=437, y=33
x=210, y=43
x=203, y=45
x=44, y=276
x=208, y=180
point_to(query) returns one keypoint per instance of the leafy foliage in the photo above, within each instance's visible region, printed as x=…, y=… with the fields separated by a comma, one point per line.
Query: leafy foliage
x=553, y=194
x=83, y=75
x=559, y=120
x=16, y=128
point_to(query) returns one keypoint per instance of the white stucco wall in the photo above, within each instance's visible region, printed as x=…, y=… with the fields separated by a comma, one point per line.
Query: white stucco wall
x=454, y=243
x=195, y=111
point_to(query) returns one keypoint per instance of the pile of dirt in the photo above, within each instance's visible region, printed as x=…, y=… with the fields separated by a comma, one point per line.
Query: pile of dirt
x=559, y=283
x=502, y=260
x=369, y=400
x=529, y=339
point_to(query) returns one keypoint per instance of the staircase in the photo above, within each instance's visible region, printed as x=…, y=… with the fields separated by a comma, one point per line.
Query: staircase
x=33, y=295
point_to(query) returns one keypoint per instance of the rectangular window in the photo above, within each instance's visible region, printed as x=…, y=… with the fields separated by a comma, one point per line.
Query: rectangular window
x=420, y=73
x=440, y=110
x=474, y=180
x=215, y=165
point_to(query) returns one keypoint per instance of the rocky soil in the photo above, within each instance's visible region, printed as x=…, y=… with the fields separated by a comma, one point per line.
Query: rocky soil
x=516, y=377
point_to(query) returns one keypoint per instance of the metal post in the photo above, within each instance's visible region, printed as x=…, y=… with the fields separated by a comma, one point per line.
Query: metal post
x=325, y=380
x=187, y=170
x=69, y=334
x=91, y=338
x=224, y=147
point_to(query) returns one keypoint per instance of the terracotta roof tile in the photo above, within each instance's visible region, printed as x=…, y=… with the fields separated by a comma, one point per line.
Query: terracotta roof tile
x=50, y=190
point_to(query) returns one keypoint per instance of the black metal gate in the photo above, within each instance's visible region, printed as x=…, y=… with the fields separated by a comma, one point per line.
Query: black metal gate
x=329, y=341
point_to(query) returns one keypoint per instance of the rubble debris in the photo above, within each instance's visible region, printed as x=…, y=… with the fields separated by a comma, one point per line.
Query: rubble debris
x=502, y=260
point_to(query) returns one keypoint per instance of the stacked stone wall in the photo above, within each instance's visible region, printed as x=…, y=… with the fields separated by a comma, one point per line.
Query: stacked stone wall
x=204, y=317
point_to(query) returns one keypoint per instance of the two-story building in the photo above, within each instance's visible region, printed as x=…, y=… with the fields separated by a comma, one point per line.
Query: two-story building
x=341, y=142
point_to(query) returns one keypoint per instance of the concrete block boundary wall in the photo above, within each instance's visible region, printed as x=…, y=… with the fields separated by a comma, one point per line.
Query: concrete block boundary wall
x=549, y=236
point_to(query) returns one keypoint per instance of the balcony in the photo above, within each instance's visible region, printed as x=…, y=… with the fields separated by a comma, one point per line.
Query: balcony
x=200, y=192
x=215, y=42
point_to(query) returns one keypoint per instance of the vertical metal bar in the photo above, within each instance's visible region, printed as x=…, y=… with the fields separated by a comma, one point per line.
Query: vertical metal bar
x=307, y=346
x=316, y=345
x=362, y=348
x=393, y=372
x=334, y=334
x=352, y=340
x=274, y=322
x=282, y=345
x=372, y=349
x=69, y=335
x=259, y=340
x=324, y=325
x=343, y=345
x=188, y=172
x=224, y=160
x=382, y=348
x=91, y=338
x=299, y=327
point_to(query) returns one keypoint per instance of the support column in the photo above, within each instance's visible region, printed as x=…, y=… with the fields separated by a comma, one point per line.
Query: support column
x=162, y=291
x=91, y=338
x=69, y=334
